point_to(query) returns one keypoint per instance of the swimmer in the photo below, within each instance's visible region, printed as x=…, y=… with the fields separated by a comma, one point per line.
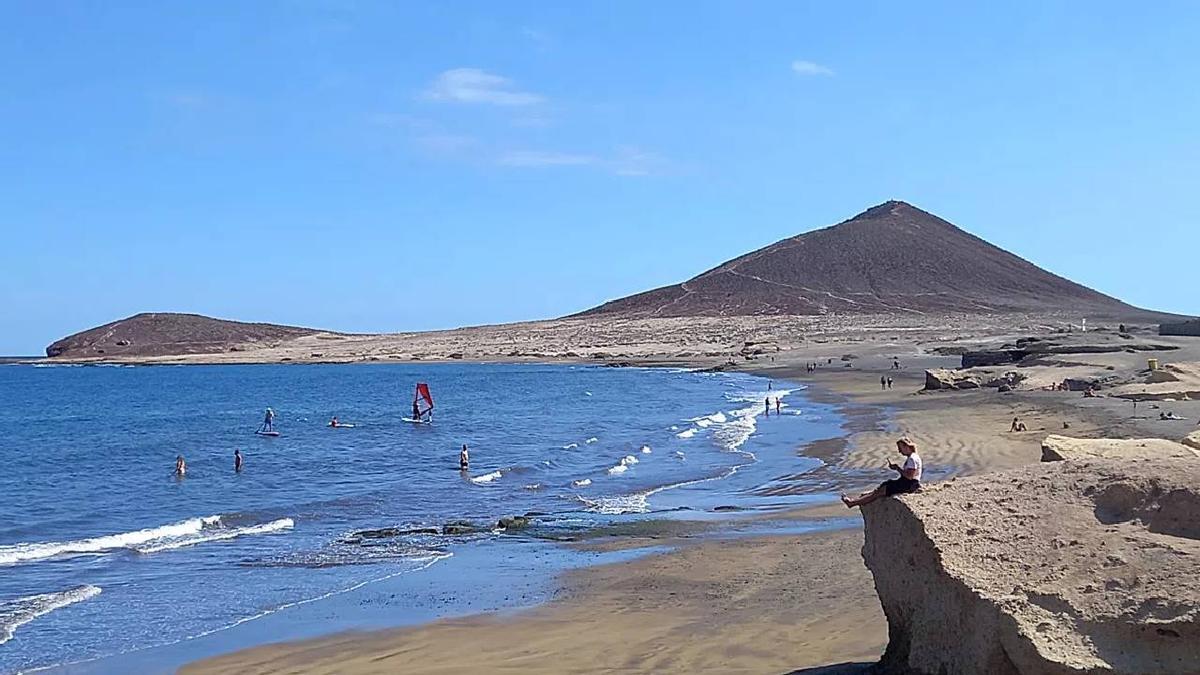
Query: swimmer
x=237, y=460
x=464, y=459
x=333, y=422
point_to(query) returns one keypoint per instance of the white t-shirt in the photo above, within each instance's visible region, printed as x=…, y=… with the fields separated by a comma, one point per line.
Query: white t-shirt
x=913, y=462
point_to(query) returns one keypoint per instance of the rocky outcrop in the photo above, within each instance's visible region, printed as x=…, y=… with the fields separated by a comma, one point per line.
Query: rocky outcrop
x=1193, y=440
x=167, y=333
x=1059, y=448
x=1089, y=566
x=945, y=378
x=1188, y=328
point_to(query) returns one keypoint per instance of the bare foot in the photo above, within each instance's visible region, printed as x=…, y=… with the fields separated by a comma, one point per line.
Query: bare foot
x=847, y=502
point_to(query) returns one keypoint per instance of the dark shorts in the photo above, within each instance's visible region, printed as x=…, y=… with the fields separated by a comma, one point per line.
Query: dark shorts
x=900, y=485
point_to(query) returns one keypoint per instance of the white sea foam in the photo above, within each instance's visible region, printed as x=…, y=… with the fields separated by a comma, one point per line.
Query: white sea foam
x=646, y=450
x=628, y=460
x=686, y=433
x=584, y=482
x=532, y=486
x=570, y=446
x=635, y=503
x=21, y=611
x=486, y=478
x=593, y=439
x=618, y=469
x=219, y=534
x=27, y=552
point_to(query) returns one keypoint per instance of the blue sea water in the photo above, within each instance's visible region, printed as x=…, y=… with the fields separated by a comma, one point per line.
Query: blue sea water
x=105, y=554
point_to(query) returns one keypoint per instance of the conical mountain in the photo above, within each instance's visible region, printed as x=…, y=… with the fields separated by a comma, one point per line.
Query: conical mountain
x=890, y=259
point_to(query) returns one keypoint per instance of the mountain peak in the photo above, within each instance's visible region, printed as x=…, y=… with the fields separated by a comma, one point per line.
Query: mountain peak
x=893, y=258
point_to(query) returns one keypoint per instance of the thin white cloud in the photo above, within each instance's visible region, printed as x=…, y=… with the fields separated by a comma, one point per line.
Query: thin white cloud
x=627, y=160
x=810, y=68
x=542, y=159
x=541, y=40
x=472, y=85
x=634, y=161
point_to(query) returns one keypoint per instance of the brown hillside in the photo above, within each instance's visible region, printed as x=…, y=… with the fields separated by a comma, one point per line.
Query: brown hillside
x=156, y=334
x=892, y=258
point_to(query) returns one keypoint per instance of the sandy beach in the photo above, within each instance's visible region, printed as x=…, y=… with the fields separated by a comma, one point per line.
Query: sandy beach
x=760, y=604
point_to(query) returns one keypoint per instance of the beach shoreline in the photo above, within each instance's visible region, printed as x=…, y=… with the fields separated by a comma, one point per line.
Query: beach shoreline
x=694, y=608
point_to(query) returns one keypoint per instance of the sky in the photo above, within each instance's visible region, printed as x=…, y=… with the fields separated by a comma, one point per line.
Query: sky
x=383, y=166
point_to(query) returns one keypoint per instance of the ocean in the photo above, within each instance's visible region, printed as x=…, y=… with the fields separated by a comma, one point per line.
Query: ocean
x=108, y=562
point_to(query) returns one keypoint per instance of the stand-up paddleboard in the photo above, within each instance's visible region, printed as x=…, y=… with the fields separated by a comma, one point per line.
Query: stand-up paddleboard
x=272, y=434
x=339, y=425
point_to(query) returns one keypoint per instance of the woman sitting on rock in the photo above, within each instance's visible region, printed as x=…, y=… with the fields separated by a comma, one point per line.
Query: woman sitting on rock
x=909, y=480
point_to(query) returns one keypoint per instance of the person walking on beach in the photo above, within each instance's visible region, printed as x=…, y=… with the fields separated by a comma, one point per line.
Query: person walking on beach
x=908, y=481
x=237, y=460
x=180, y=466
x=889, y=383
x=464, y=459
x=882, y=382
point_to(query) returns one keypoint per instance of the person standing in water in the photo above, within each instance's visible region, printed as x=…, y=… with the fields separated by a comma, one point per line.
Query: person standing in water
x=778, y=405
x=269, y=420
x=767, y=403
x=180, y=466
x=237, y=460
x=464, y=459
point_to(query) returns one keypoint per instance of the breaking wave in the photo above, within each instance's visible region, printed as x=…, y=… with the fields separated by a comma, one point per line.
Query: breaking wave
x=21, y=611
x=28, y=552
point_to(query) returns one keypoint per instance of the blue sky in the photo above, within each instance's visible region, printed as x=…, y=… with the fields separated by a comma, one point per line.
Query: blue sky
x=380, y=166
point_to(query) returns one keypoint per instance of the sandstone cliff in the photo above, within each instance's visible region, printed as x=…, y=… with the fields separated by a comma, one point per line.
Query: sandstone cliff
x=1086, y=566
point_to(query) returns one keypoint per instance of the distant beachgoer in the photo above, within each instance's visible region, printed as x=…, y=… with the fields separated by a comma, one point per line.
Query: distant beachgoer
x=908, y=481
x=895, y=364
x=416, y=411
x=237, y=460
x=464, y=459
x=778, y=405
x=269, y=420
x=882, y=382
x=767, y=404
x=769, y=385
x=180, y=466
x=889, y=383
x=1015, y=423
x=333, y=422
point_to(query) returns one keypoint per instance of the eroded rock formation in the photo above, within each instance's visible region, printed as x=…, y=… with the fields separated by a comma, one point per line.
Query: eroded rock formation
x=1086, y=566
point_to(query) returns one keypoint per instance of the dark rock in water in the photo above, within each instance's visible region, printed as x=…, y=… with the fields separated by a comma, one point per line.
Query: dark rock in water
x=387, y=532
x=459, y=527
x=513, y=523
x=727, y=507
x=534, y=514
